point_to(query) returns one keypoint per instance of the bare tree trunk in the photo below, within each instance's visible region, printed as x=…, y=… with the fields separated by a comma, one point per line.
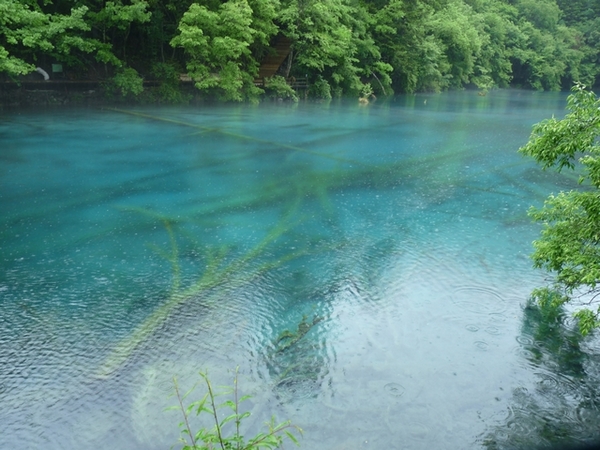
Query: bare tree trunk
x=288, y=66
x=382, y=88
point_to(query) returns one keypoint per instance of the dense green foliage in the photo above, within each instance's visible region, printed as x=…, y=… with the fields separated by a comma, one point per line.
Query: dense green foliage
x=395, y=45
x=569, y=245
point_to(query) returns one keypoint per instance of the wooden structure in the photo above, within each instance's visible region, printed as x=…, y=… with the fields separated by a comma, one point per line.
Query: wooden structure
x=295, y=83
x=273, y=61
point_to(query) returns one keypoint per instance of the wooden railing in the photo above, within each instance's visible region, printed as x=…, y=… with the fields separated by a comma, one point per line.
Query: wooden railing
x=295, y=83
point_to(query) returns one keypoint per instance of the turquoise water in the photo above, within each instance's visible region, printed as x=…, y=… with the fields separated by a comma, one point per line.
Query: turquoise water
x=141, y=244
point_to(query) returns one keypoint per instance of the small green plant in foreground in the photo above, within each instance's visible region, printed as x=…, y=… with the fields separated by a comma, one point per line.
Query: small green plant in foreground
x=225, y=433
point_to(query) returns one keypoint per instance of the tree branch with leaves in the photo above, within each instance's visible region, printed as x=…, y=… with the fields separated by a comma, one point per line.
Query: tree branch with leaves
x=569, y=245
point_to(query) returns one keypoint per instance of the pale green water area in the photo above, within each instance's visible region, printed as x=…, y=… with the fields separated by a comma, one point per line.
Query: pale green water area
x=141, y=244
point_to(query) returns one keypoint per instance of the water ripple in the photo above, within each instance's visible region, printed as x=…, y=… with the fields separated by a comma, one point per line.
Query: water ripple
x=481, y=345
x=479, y=300
x=525, y=340
x=394, y=389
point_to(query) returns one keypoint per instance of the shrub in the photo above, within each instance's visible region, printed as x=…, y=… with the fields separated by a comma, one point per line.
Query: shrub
x=277, y=87
x=128, y=81
x=320, y=89
x=169, y=86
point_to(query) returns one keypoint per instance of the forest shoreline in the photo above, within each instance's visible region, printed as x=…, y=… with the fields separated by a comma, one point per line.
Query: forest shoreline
x=338, y=48
x=73, y=93
x=31, y=94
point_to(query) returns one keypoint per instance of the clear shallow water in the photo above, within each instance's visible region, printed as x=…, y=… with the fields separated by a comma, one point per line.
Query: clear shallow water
x=142, y=244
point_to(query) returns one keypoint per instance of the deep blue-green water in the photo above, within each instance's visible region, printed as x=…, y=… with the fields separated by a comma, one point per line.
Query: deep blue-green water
x=141, y=244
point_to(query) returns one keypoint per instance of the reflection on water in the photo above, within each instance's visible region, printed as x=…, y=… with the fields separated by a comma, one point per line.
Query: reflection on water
x=364, y=267
x=564, y=403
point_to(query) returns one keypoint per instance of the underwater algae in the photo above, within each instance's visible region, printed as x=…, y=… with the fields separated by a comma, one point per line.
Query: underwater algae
x=424, y=210
x=292, y=359
x=294, y=189
x=216, y=272
x=204, y=129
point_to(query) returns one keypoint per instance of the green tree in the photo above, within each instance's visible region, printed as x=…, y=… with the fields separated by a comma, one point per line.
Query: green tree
x=493, y=63
x=328, y=37
x=582, y=17
x=403, y=34
x=458, y=29
x=218, y=41
x=579, y=11
x=569, y=246
x=341, y=45
x=27, y=33
x=544, y=14
x=114, y=19
x=546, y=54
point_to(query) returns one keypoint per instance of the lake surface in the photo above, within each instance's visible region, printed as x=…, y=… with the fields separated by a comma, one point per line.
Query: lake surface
x=141, y=244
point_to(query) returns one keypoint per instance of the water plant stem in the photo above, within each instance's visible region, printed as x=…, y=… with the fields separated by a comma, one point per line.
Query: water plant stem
x=234, y=274
x=238, y=136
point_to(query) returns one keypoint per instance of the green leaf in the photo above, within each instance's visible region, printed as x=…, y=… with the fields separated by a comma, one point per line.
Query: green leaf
x=569, y=245
x=214, y=437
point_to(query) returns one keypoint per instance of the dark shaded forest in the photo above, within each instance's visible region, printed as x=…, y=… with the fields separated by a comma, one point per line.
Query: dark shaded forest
x=339, y=47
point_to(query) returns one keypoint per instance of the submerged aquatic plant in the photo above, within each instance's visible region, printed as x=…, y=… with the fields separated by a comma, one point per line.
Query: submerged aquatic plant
x=217, y=272
x=287, y=338
x=221, y=269
x=295, y=362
